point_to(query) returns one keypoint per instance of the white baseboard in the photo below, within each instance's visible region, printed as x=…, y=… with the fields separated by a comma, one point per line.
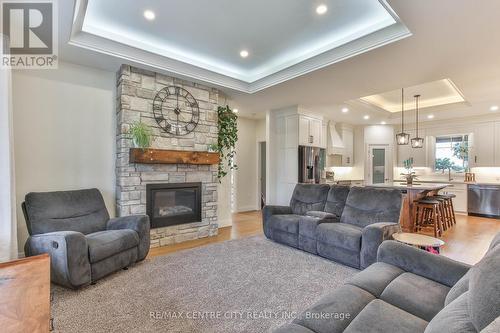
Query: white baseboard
x=225, y=223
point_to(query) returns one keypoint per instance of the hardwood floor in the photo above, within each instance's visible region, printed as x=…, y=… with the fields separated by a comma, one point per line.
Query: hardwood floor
x=244, y=225
x=467, y=241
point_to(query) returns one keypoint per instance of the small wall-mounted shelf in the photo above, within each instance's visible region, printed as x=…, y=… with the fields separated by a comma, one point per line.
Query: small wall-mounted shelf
x=162, y=156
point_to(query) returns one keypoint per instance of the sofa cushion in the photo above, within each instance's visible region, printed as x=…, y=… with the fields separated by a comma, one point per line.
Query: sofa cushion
x=365, y=206
x=288, y=223
x=484, y=289
x=453, y=318
x=376, y=277
x=417, y=295
x=335, y=201
x=104, y=244
x=379, y=316
x=342, y=235
x=458, y=289
x=308, y=197
x=334, y=311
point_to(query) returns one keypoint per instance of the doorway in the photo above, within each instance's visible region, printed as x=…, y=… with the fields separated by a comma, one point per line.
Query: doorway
x=379, y=164
x=262, y=174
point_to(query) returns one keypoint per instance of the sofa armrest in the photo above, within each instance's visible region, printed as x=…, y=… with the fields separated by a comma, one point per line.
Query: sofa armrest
x=323, y=215
x=276, y=210
x=268, y=212
x=69, y=258
x=372, y=236
x=434, y=267
x=138, y=223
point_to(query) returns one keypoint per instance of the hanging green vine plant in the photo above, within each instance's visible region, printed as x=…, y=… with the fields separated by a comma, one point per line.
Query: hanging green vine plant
x=226, y=142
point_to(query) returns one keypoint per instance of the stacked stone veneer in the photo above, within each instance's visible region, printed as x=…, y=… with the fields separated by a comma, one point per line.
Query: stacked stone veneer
x=136, y=89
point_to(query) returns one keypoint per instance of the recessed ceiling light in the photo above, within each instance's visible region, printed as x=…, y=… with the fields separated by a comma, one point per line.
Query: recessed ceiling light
x=235, y=110
x=321, y=9
x=366, y=117
x=494, y=108
x=431, y=116
x=149, y=15
x=345, y=110
x=243, y=53
x=383, y=123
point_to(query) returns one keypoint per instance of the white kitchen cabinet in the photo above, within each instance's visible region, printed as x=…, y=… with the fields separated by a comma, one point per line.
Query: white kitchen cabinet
x=497, y=144
x=310, y=131
x=460, y=201
x=482, y=145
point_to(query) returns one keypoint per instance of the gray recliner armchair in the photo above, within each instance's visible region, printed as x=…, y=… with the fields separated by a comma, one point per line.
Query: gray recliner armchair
x=84, y=244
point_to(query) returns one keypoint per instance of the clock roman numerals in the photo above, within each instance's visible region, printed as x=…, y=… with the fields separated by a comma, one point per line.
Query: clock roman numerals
x=176, y=111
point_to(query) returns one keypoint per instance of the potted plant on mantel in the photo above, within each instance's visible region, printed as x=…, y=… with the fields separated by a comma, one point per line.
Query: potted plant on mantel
x=409, y=175
x=141, y=135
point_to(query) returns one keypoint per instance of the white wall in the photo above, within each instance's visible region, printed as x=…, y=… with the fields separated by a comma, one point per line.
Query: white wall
x=64, y=132
x=8, y=225
x=261, y=130
x=246, y=159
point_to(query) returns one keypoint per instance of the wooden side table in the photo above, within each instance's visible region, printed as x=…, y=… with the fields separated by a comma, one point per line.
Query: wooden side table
x=427, y=243
x=25, y=295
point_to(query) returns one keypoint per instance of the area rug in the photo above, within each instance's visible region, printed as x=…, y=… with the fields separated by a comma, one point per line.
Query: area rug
x=246, y=285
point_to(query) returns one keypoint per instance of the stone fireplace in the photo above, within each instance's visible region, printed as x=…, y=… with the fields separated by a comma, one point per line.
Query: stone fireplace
x=138, y=182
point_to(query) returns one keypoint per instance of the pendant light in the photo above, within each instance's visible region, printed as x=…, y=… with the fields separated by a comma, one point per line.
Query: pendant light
x=417, y=142
x=402, y=138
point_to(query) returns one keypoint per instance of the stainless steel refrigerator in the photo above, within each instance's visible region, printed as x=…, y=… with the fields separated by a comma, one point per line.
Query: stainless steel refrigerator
x=311, y=164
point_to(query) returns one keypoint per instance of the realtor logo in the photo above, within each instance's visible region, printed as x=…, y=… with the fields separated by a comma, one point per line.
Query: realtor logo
x=31, y=34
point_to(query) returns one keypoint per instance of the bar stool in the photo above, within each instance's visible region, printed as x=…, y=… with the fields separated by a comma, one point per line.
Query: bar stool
x=426, y=213
x=450, y=210
x=443, y=212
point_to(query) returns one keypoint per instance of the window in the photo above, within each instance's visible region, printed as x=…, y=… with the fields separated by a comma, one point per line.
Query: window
x=452, y=153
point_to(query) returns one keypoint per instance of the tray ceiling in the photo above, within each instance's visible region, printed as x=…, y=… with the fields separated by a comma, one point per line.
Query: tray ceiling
x=203, y=40
x=432, y=94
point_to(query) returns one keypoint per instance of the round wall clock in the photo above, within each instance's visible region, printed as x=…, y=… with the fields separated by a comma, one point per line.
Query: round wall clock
x=176, y=111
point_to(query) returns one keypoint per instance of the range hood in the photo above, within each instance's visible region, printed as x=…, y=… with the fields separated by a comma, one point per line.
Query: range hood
x=335, y=144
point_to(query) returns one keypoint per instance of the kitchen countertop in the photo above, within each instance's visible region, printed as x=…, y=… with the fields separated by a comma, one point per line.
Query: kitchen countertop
x=461, y=182
x=417, y=186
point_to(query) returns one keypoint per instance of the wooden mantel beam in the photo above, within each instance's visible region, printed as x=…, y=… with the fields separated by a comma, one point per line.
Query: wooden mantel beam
x=162, y=156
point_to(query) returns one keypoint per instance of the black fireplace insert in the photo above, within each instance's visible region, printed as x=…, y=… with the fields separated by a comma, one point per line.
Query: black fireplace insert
x=172, y=204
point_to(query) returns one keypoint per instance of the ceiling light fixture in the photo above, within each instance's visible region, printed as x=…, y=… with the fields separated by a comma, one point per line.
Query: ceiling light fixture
x=321, y=9
x=244, y=53
x=149, y=15
x=366, y=117
x=235, y=110
x=417, y=142
x=494, y=108
x=383, y=123
x=402, y=138
x=345, y=110
x=431, y=116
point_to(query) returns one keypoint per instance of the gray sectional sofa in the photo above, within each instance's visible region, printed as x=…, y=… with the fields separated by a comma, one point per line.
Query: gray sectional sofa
x=340, y=223
x=410, y=290
x=84, y=244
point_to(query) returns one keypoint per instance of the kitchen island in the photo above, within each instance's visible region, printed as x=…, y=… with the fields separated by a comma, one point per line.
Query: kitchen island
x=410, y=194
